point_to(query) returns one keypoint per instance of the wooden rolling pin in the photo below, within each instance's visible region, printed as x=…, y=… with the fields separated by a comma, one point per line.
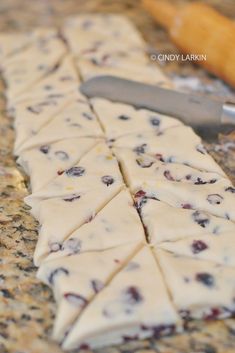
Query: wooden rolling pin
x=196, y=28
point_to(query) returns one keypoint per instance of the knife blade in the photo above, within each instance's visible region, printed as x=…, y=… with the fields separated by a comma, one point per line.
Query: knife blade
x=192, y=109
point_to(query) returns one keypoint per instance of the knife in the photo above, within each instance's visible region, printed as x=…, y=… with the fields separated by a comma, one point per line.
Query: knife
x=192, y=109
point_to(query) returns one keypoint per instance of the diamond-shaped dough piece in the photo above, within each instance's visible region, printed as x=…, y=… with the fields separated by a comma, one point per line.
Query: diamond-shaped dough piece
x=96, y=169
x=217, y=248
x=30, y=116
x=176, y=145
x=77, y=279
x=60, y=217
x=107, y=229
x=28, y=67
x=135, y=305
x=75, y=120
x=45, y=162
x=183, y=222
x=122, y=119
x=199, y=289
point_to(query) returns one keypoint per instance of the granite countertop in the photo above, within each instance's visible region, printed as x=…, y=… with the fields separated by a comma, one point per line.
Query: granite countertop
x=27, y=307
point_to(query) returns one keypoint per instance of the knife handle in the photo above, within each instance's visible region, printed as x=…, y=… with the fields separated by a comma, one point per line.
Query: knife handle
x=228, y=113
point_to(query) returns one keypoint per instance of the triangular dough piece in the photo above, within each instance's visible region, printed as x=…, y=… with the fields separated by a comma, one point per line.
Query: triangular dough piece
x=133, y=70
x=31, y=65
x=166, y=223
x=139, y=169
x=217, y=248
x=92, y=28
x=62, y=79
x=122, y=119
x=13, y=43
x=199, y=289
x=97, y=169
x=135, y=305
x=217, y=199
x=76, y=120
x=176, y=145
x=60, y=217
x=44, y=163
x=107, y=230
x=76, y=279
x=31, y=116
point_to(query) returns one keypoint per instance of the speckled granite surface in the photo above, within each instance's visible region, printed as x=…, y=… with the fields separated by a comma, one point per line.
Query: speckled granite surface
x=26, y=306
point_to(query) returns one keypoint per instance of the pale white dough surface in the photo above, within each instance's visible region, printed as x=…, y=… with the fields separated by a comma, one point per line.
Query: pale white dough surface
x=217, y=248
x=98, y=168
x=176, y=145
x=139, y=169
x=106, y=230
x=135, y=304
x=217, y=199
x=75, y=120
x=60, y=80
x=62, y=216
x=43, y=163
x=30, y=116
x=121, y=119
x=199, y=289
x=92, y=270
x=165, y=223
x=26, y=68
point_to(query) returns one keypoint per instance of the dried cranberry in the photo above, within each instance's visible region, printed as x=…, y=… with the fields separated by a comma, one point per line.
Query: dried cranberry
x=60, y=172
x=141, y=148
x=87, y=116
x=132, y=295
x=59, y=270
x=187, y=206
x=107, y=180
x=206, y=278
x=44, y=149
x=130, y=338
x=201, y=218
x=215, y=199
x=76, y=299
x=144, y=163
x=159, y=157
x=139, y=193
x=55, y=246
x=214, y=314
x=84, y=346
x=154, y=121
x=198, y=246
x=72, y=198
x=230, y=189
x=168, y=176
x=35, y=109
x=123, y=117
x=199, y=181
x=97, y=285
x=75, y=172
x=73, y=245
